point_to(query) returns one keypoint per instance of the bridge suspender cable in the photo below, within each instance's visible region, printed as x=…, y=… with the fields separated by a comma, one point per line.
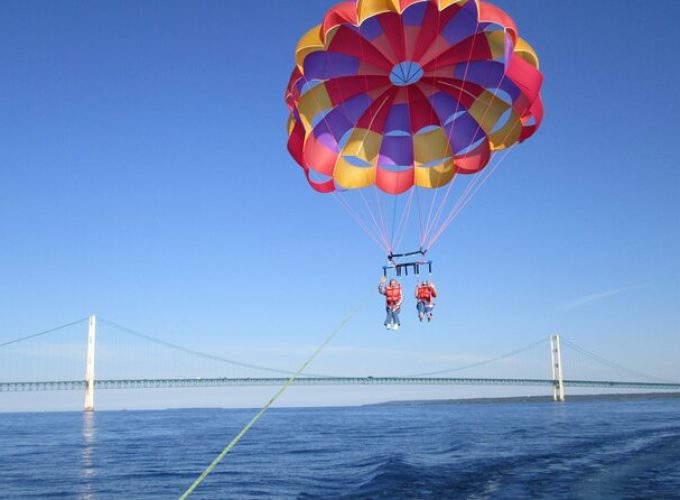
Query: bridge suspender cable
x=264, y=409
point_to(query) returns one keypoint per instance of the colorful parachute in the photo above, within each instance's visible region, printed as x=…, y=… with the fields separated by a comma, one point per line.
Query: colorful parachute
x=402, y=94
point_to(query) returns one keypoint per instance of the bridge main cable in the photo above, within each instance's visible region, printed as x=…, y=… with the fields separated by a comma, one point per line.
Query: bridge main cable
x=611, y=364
x=479, y=363
x=194, y=352
x=56, y=328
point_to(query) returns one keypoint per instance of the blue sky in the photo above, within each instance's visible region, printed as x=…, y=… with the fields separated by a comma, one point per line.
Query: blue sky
x=144, y=177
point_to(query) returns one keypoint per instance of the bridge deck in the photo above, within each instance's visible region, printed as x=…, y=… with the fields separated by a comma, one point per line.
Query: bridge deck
x=60, y=385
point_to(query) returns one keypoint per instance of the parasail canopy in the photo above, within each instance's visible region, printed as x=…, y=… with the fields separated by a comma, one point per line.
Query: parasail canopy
x=402, y=94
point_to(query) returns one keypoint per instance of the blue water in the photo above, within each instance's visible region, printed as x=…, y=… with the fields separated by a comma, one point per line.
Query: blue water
x=512, y=450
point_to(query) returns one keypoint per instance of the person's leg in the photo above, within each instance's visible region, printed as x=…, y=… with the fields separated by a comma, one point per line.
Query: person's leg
x=421, y=309
x=395, y=317
x=388, y=318
x=428, y=310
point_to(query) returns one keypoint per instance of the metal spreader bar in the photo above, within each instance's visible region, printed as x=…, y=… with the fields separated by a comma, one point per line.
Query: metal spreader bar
x=404, y=267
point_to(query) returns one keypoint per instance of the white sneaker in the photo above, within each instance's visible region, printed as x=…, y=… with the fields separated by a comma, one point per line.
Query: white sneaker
x=395, y=326
x=388, y=326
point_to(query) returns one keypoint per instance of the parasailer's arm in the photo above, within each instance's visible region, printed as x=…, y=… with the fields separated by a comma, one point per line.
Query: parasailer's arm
x=382, y=289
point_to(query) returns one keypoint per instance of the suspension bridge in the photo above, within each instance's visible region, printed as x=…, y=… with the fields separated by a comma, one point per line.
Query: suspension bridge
x=557, y=384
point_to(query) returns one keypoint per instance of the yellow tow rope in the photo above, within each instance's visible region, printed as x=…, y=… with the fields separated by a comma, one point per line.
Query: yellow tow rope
x=285, y=386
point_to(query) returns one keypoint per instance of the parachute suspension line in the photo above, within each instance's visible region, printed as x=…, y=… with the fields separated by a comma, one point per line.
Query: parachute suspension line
x=347, y=207
x=478, y=181
x=433, y=223
x=397, y=234
x=380, y=231
x=468, y=187
x=472, y=189
x=382, y=215
x=440, y=209
x=474, y=180
x=433, y=202
x=365, y=224
x=361, y=223
x=463, y=202
x=381, y=211
x=400, y=217
x=378, y=234
x=420, y=216
x=380, y=203
x=486, y=111
x=379, y=208
x=394, y=219
x=429, y=227
x=423, y=235
x=403, y=222
x=380, y=227
x=478, y=185
x=273, y=399
x=386, y=96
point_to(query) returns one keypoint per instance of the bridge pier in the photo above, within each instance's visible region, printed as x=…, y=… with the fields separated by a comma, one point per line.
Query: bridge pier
x=556, y=366
x=89, y=370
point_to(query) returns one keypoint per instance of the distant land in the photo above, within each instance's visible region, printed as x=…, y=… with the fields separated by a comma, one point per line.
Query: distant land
x=533, y=399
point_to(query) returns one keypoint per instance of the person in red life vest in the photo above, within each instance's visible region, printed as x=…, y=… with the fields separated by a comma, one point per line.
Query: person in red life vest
x=425, y=294
x=393, y=298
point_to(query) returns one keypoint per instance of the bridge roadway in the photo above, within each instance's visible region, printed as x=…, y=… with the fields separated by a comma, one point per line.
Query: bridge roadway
x=59, y=385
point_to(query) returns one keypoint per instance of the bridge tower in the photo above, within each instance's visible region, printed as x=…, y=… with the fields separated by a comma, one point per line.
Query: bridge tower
x=89, y=371
x=556, y=366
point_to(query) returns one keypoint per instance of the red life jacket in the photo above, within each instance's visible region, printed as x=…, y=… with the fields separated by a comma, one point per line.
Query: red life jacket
x=393, y=295
x=425, y=293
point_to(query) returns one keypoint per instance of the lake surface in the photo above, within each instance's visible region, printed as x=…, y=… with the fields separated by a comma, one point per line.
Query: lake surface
x=579, y=449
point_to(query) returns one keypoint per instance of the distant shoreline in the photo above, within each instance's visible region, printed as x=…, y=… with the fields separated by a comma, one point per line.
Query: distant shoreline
x=412, y=402
x=532, y=399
